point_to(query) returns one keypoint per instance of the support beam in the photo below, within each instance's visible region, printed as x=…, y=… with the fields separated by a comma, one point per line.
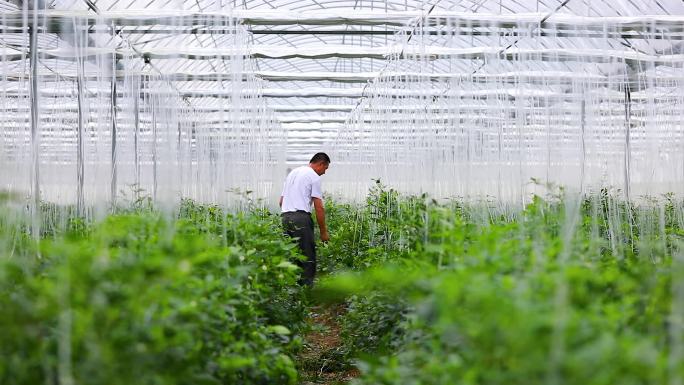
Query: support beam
x=136, y=134
x=390, y=31
x=65, y=132
x=19, y=113
x=153, y=104
x=324, y=51
x=583, y=142
x=524, y=21
x=34, y=96
x=350, y=77
x=628, y=145
x=113, y=112
x=80, y=151
x=428, y=96
x=435, y=31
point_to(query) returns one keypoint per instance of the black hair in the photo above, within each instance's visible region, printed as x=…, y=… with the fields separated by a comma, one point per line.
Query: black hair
x=320, y=157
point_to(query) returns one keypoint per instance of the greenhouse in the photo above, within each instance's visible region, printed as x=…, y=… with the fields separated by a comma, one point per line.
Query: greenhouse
x=502, y=195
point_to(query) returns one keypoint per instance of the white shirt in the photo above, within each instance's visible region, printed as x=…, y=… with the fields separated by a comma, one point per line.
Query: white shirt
x=300, y=186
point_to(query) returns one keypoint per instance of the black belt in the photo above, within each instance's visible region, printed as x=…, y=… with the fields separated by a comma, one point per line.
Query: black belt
x=298, y=211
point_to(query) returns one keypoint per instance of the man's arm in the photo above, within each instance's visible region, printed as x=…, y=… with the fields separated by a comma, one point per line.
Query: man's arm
x=320, y=218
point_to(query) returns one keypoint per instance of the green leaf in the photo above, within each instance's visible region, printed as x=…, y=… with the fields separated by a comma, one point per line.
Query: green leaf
x=279, y=329
x=287, y=265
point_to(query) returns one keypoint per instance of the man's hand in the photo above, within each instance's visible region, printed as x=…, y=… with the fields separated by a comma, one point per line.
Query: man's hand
x=325, y=237
x=320, y=217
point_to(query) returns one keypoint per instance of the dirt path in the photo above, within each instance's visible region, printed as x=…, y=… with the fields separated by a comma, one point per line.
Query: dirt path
x=321, y=360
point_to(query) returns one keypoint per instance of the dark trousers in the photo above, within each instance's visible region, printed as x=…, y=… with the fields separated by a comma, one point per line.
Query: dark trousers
x=299, y=225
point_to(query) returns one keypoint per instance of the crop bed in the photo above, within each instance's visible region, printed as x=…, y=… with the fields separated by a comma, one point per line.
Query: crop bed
x=567, y=290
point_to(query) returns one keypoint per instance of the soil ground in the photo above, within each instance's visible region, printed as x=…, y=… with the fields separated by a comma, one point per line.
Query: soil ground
x=321, y=360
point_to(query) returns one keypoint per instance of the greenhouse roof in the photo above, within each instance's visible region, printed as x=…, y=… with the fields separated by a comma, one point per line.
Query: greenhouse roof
x=317, y=57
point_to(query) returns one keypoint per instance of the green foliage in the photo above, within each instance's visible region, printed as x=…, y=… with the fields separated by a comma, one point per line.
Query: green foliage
x=374, y=323
x=207, y=298
x=568, y=290
x=385, y=229
x=585, y=324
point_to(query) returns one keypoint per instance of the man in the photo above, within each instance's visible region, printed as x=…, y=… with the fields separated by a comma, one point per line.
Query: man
x=302, y=188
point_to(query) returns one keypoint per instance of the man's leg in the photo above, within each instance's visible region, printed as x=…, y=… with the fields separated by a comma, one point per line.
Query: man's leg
x=307, y=244
x=300, y=225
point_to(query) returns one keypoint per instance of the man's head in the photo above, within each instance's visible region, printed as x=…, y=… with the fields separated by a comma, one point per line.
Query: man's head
x=320, y=162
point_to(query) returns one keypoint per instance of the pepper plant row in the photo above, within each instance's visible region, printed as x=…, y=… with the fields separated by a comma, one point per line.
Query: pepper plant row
x=568, y=290
x=202, y=297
